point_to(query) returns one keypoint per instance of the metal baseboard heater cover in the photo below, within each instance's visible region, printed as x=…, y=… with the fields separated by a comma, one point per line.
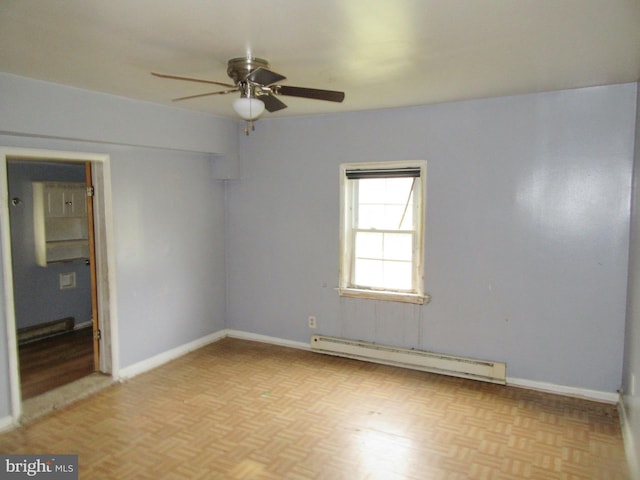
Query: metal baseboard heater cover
x=488, y=371
x=36, y=332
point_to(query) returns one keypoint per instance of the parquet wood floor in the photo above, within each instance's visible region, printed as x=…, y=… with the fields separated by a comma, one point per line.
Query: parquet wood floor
x=244, y=410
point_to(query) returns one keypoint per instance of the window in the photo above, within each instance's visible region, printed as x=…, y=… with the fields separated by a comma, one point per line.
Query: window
x=381, y=237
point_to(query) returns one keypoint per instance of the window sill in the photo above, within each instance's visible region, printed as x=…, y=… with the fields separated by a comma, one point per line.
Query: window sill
x=388, y=296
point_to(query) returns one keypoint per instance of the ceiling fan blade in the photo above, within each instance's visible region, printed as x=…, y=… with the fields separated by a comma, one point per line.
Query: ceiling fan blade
x=205, y=95
x=264, y=77
x=314, y=93
x=175, y=77
x=271, y=102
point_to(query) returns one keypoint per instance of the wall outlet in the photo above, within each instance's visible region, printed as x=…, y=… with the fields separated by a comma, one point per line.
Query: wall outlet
x=312, y=321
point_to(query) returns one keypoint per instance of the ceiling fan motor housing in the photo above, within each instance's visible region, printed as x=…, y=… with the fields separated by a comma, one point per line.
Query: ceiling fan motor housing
x=238, y=68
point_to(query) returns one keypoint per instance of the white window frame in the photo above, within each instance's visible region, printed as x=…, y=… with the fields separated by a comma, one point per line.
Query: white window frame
x=346, y=288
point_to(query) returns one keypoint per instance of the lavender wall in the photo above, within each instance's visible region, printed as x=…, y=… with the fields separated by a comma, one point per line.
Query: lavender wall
x=631, y=373
x=527, y=230
x=168, y=207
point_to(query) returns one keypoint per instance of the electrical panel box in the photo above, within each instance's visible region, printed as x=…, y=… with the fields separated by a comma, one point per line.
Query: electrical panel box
x=60, y=222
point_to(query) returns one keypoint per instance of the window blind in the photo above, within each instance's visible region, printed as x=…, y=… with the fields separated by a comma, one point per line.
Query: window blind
x=407, y=172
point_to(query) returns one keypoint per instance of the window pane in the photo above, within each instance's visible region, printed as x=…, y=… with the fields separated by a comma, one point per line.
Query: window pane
x=398, y=246
x=397, y=275
x=397, y=190
x=369, y=273
x=378, y=216
x=370, y=216
x=369, y=189
x=383, y=260
x=392, y=217
x=369, y=245
x=385, y=203
x=383, y=274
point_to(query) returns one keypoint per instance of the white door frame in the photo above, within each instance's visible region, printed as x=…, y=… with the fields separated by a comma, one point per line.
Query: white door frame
x=105, y=259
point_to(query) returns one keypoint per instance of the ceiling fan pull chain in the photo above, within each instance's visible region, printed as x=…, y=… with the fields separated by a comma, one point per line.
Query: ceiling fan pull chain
x=251, y=125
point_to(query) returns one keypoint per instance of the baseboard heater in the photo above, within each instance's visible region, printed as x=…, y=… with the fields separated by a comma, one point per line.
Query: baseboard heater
x=488, y=371
x=36, y=332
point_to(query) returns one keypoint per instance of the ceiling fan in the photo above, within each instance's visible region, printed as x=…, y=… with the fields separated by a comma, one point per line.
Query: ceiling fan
x=258, y=90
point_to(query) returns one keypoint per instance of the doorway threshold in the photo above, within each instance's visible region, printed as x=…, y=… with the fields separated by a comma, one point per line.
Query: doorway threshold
x=36, y=407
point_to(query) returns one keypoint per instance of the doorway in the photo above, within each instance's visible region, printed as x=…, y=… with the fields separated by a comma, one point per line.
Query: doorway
x=53, y=285
x=78, y=327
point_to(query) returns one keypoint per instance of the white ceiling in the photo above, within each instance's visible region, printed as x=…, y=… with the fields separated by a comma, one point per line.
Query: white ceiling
x=381, y=53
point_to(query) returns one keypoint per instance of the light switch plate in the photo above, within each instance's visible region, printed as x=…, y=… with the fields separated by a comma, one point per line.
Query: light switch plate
x=67, y=280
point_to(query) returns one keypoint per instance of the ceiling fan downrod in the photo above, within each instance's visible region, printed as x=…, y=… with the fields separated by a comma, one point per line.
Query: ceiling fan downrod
x=239, y=68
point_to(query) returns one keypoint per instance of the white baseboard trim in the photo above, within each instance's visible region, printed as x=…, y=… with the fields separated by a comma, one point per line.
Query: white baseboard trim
x=131, y=371
x=596, y=395
x=164, y=357
x=256, y=337
x=629, y=443
x=160, y=359
x=7, y=423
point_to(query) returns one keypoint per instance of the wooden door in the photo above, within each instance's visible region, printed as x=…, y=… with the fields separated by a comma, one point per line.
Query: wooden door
x=92, y=267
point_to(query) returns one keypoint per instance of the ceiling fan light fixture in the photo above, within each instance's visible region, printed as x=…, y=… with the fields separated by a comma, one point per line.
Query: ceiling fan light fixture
x=248, y=108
